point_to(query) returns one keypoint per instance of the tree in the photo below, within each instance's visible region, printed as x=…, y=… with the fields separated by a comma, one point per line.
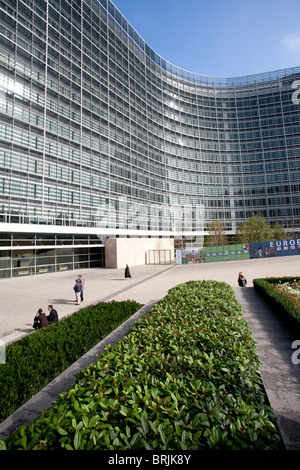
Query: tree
x=217, y=236
x=257, y=229
x=279, y=232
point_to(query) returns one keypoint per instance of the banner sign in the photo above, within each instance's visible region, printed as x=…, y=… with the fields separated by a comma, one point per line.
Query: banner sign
x=212, y=254
x=275, y=248
x=241, y=251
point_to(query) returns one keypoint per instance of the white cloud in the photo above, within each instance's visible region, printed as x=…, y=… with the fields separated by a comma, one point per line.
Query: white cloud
x=291, y=43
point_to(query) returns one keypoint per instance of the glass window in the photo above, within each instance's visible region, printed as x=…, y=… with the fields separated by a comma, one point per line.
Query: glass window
x=22, y=239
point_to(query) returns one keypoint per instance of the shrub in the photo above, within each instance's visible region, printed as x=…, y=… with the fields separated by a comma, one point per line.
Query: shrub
x=185, y=377
x=35, y=360
x=278, y=301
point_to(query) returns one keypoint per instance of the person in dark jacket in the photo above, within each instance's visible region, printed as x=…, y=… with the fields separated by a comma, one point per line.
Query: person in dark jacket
x=80, y=279
x=127, y=272
x=40, y=320
x=77, y=288
x=53, y=315
x=242, y=281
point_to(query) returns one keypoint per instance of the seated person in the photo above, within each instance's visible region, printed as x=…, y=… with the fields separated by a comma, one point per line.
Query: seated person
x=242, y=281
x=53, y=315
x=40, y=320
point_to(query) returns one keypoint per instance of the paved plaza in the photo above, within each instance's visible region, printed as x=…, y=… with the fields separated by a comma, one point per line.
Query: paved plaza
x=22, y=297
x=281, y=377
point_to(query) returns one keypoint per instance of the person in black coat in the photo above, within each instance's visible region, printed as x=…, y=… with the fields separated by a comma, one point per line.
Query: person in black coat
x=127, y=272
x=242, y=281
x=53, y=315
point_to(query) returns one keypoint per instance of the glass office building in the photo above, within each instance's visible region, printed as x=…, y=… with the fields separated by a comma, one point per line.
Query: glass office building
x=101, y=137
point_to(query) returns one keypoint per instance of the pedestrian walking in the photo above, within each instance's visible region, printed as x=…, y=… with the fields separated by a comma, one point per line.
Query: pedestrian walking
x=127, y=272
x=82, y=285
x=77, y=289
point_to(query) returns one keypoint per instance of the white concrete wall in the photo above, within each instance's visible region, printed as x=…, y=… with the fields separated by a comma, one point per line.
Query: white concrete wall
x=132, y=251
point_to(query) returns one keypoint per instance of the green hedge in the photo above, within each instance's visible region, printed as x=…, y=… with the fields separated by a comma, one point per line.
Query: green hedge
x=278, y=301
x=185, y=377
x=36, y=359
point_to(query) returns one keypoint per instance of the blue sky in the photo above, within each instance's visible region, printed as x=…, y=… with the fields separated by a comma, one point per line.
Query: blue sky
x=224, y=38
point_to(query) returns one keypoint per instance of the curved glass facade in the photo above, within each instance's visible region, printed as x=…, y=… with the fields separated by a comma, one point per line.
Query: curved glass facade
x=99, y=131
